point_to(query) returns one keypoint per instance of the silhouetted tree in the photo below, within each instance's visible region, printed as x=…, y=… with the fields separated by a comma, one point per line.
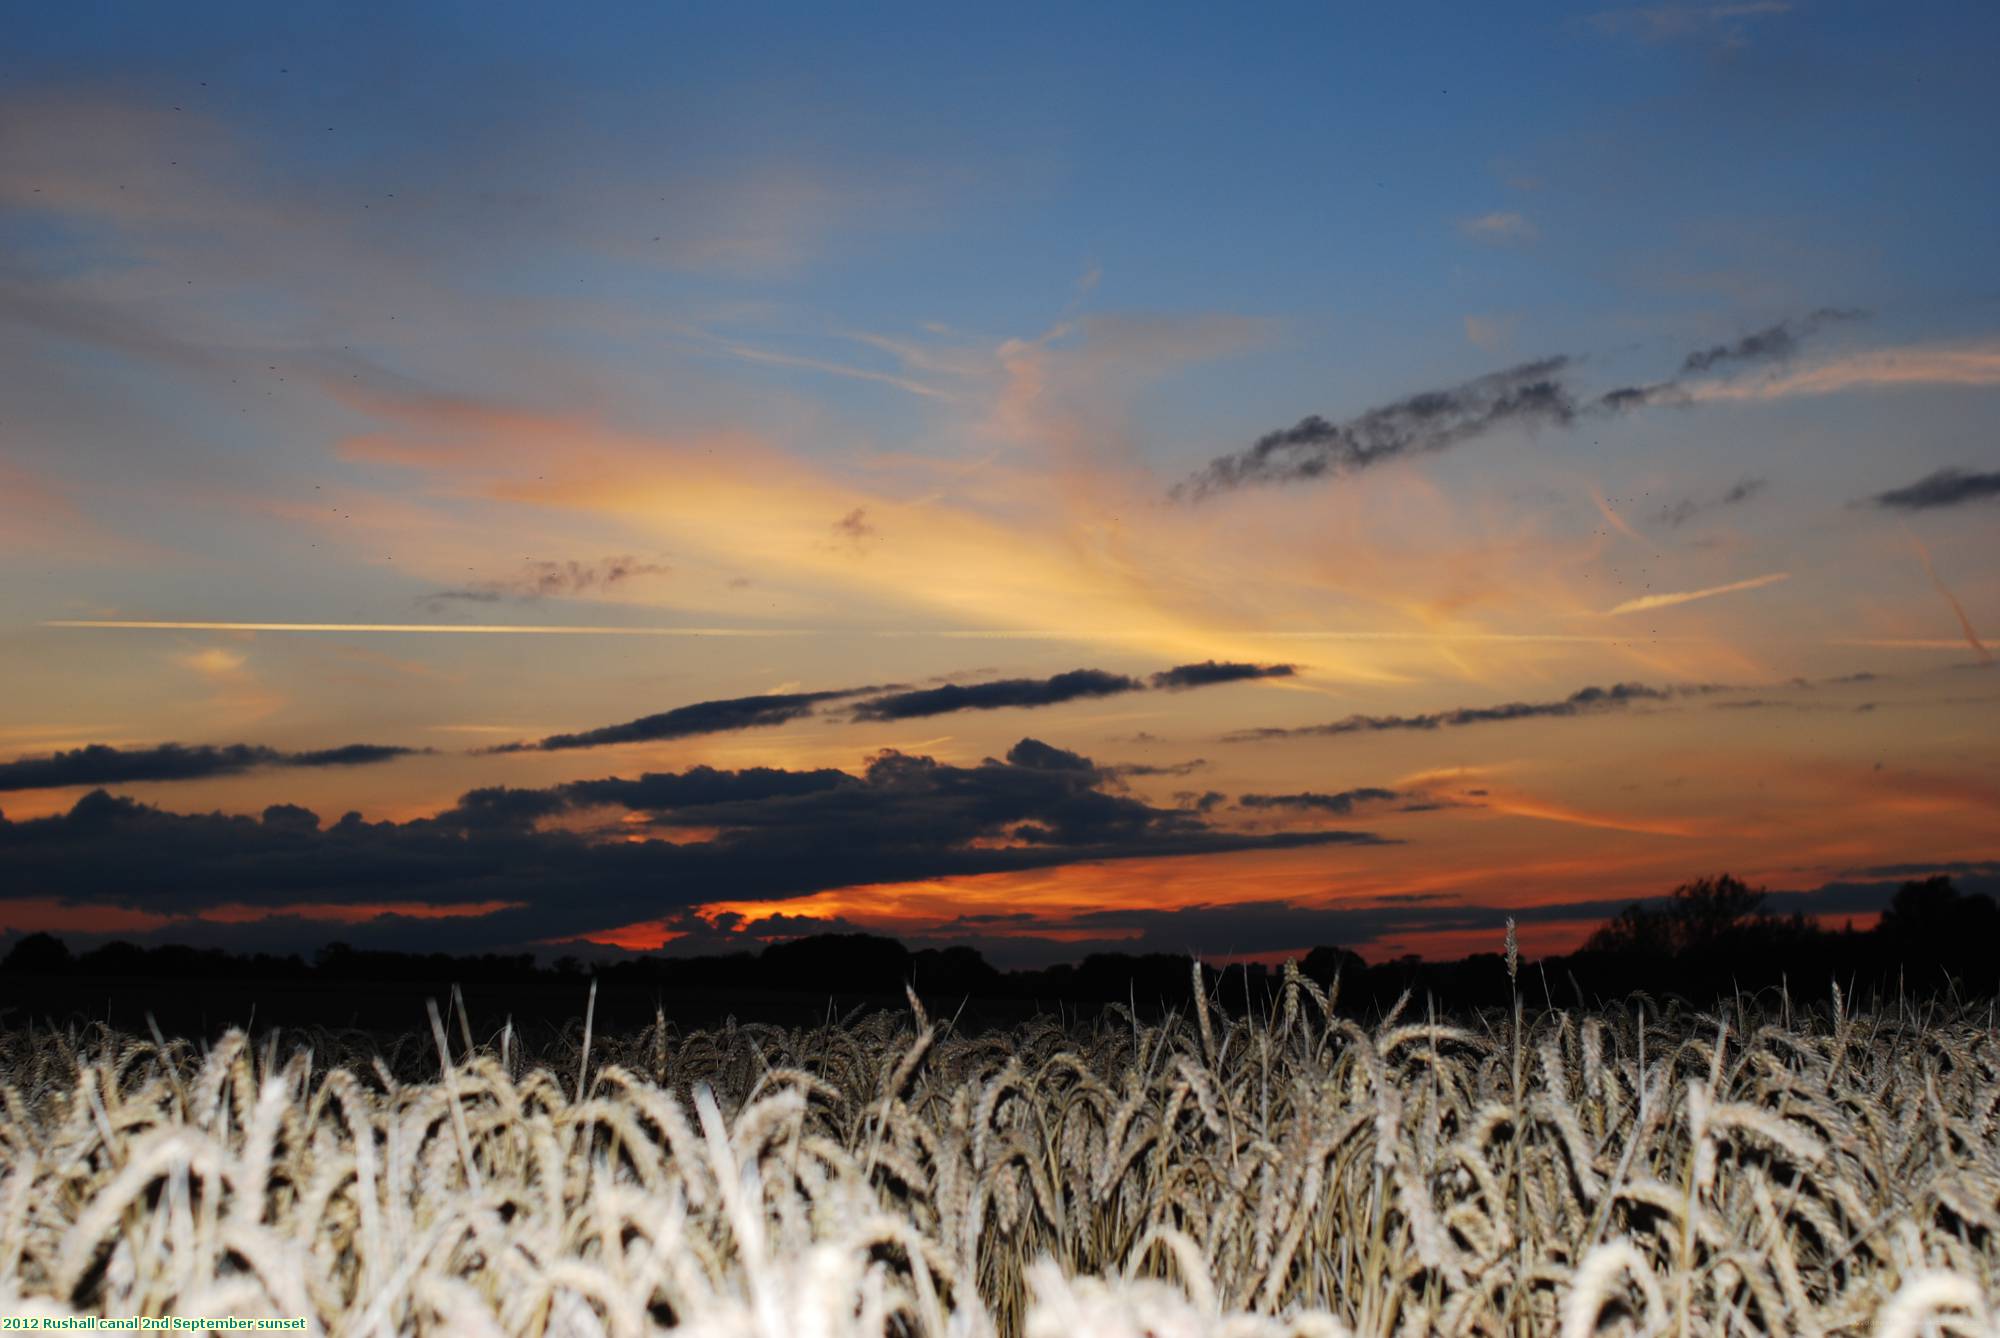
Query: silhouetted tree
x=1704, y=915
x=335, y=959
x=1323, y=962
x=116, y=958
x=837, y=964
x=954, y=970
x=1932, y=925
x=38, y=954
x=1933, y=910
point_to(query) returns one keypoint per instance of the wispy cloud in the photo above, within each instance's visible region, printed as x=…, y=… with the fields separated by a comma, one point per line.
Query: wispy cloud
x=856, y=529
x=1771, y=344
x=1530, y=395
x=1679, y=513
x=235, y=687
x=723, y=716
x=1727, y=23
x=1668, y=599
x=1548, y=811
x=1075, y=685
x=1341, y=803
x=1501, y=226
x=1584, y=701
x=101, y=764
x=1777, y=343
x=1071, y=686
x=1209, y=672
x=1489, y=332
x=771, y=357
x=1935, y=365
x=1946, y=487
x=548, y=579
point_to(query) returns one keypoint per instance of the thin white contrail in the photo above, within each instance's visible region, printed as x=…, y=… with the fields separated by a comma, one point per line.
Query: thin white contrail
x=474, y=628
x=1556, y=637
x=1671, y=598
x=995, y=633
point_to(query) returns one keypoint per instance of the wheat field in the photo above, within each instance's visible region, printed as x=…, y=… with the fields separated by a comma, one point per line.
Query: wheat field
x=1767, y=1167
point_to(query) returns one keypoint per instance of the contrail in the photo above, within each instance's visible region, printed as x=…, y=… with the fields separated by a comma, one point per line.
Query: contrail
x=1668, y=600
x=1965, y=623
x=475, y=628
x=998, y=633
x=1899, y=643
x=1604, y=507
x=1577, y=638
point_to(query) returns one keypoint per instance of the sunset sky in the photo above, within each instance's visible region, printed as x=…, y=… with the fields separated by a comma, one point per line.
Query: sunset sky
x=1048, y=477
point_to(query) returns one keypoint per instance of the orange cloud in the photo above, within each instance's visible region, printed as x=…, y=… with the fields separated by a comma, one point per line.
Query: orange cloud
x=995, y=556
x=30, y=915
x=1919, y=365
x=236, y=691
x=1553, y=812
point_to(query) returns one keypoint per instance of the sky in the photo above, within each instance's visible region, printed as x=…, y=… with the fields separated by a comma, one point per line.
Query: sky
x=493, y=479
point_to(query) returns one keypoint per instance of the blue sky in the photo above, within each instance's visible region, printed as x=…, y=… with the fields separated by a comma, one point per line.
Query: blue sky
x=845, y=324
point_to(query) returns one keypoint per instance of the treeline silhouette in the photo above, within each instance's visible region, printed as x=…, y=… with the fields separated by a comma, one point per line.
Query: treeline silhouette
x=1710, y=939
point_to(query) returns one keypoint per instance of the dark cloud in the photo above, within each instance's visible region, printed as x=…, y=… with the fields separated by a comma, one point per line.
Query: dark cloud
x=1046, y=757
x=1209, y=672
x=1954, y=868
x=702, y=786
x=1530, y=395
x=1155, y=768
x=854, y=525
x=502, y=808
x=547, y=579
x=348, y=755
x=1533, y=395
x=101, y=764
x=1687, y=508
x=775, y=835
x=1343, y=802
x=291, y=817
x=713, y=717
x=1947, y=487
x=1774, y=343
x=1077, y=683
x=1627, y=398
x=1584, y=701
x=1681, y=512
x=732, y=933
